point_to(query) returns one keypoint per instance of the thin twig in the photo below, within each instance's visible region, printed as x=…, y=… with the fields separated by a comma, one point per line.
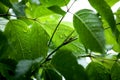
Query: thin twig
x=71, y=6
x=58, y=25
x=65, y=42
x=55, y=30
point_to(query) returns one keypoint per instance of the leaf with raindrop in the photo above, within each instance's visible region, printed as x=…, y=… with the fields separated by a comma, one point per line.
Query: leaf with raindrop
x=26, y=40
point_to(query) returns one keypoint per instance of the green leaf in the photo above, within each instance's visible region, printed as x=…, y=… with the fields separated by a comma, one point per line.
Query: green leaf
x=26, y=40
x=66, y=63
x=118, y=23
x=111, y=2
x=115, y=71
x=111, y=42
x=97, y=71
x=61, y=34
x=57, y=10
x=50, y=74
x=3, y=10
x=3, y=43
x=118, y=19
x=105, y=11
x=64, y=29
x=89, y=28
x=39, y=11
x=7, y=3
x=49, y=3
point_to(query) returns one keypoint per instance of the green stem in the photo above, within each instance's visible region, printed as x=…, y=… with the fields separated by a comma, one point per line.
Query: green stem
x=59, y=24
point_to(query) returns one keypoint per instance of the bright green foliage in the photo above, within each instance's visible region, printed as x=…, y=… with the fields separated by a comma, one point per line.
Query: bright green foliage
x=115, y=71
x=25, y=40
x=97, y=71
x=57, y=9
x=87, y=24
x=49, y=3
x=118, y=18
x=63, y=31
x=111, y=2
x=37, y=44
x=105, y=11
x=111, y=41
x=68, y=65
x=38, y=11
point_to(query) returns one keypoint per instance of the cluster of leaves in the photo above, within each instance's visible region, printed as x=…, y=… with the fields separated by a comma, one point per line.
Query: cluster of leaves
x=36, y=44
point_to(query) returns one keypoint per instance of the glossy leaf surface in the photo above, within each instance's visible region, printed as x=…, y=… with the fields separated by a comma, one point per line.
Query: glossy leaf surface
x=61, y=34
x=26, y=40
x=57, y=10
x=105, y=11
x=89, y=28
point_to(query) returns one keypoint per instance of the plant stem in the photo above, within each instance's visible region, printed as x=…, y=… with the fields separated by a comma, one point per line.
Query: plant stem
x=65, y=42
x=59, y=24
x=55, y=30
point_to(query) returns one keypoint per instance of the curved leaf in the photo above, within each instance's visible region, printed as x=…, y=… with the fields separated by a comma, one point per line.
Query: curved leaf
x=89, y=28
x=111, y=2
x=118, y=18
x=49, y=3
x=66, y=63
x=97, y=71
x=39, y=11
x=3, y=10
x=105, y=11
x=61, y=34
x=115, y=71
x=57, y=10
x=111, y=42
x=26, y=40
